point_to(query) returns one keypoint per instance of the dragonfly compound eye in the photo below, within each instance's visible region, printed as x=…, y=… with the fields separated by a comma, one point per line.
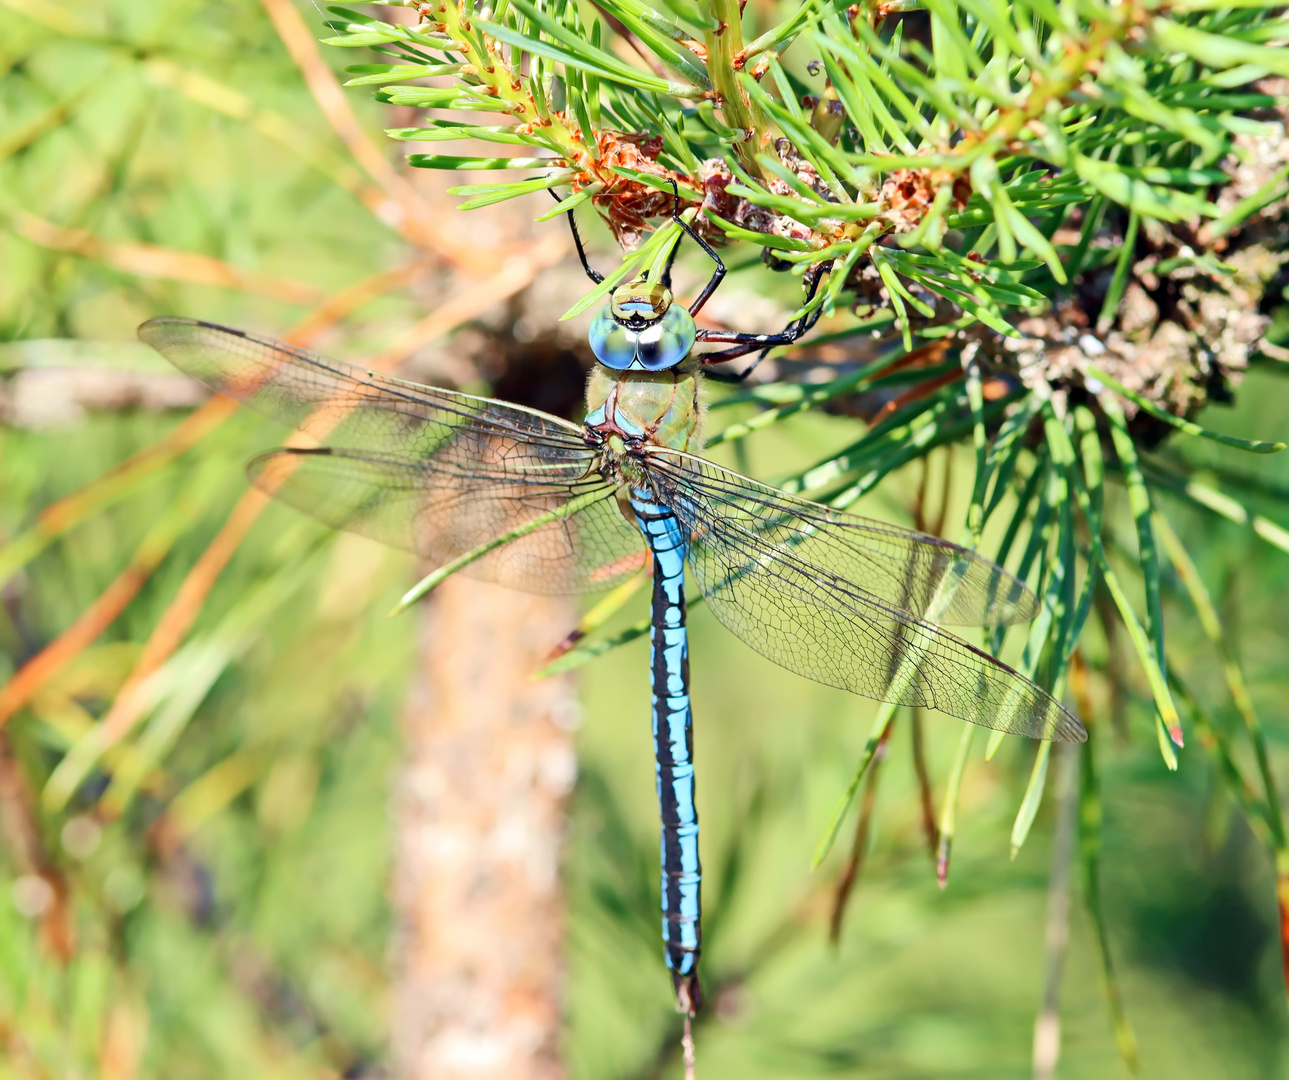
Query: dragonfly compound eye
x=667, y=342
x=613, y=344
x=656, y=344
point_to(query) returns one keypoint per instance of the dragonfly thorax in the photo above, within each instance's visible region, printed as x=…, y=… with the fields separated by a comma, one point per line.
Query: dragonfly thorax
x=660, y=408
x=640, y=329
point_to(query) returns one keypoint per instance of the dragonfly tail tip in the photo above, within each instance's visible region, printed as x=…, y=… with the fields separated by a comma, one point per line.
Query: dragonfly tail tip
x=689, y=995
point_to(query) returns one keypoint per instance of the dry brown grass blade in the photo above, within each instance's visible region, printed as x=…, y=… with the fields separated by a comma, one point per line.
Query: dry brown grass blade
x=927, y=355
x=912, y=394
x=125, y=1039
x=52, y=118
x=151, y=261
x=854, y=865
x=350, y=299
x=1047, y=1025
x=183, y=610
x=48, y=14
x=1282, y=906
x=516, y=273
x=404, y=208
x=179, y=616
x=24, y=845
x=33, y=675
x=28, y=680
x=58, y=517
x=930, y=827
x=225, y=100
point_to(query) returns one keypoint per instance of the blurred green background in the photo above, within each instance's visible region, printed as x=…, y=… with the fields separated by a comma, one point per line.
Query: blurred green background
x=211, y=897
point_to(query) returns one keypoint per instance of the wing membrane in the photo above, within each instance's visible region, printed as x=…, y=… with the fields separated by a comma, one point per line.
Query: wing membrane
x=799, y=585
x=433, y=471
x=919, y=574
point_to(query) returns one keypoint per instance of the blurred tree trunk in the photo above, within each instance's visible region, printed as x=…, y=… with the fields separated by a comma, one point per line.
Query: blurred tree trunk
x=481, y=820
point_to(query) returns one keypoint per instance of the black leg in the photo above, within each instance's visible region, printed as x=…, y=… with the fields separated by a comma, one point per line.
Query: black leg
x=735, y=376
x=742, y=344
x=717, y=275
x=675, y=214
x=592, y=273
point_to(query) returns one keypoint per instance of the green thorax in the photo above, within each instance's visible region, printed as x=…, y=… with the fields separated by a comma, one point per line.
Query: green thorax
x=663, y=408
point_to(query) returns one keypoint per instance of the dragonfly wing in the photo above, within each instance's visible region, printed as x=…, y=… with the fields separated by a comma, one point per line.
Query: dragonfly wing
x=921, y=575
x=750, y=560
x=433, y=471
x=441, y=514
x=342, y=404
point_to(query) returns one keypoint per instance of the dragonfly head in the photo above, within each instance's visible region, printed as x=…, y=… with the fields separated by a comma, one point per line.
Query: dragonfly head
x=641, y=329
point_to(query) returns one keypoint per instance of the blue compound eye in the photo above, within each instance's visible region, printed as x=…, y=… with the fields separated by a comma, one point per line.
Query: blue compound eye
x=661, y=344
x=613, y=344
x=667, y=342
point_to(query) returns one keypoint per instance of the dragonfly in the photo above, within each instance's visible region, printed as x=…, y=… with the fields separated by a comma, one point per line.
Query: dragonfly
x=535, y=502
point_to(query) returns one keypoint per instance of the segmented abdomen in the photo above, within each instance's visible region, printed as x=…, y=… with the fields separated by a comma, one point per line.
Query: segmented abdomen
x=673, y=741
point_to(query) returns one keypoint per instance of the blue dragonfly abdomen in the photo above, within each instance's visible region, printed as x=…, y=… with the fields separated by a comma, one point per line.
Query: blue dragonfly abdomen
x=673, y=739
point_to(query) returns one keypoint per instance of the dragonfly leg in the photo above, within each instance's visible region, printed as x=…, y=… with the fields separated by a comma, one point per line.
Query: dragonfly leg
x=717, y=275
x=742, y=344
x=591, y=272
x=733, y=354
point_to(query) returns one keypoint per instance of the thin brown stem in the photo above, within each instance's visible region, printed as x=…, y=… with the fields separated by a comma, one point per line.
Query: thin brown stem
x=859, y=844
x=167, y=264
x=930, y=828
x=419, y=221
x=1047, y=1027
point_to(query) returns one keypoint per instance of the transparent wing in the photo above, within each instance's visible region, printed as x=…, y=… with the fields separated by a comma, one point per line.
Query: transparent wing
x=845, y=601
x=433, y=471
x=914, y=572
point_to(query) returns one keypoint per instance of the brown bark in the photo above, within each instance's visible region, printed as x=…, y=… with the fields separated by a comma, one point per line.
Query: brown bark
x=481, y=815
